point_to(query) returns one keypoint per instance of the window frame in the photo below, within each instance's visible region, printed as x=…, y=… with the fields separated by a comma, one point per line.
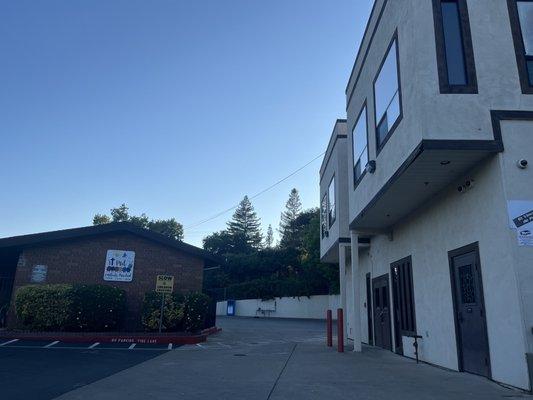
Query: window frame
x=468, y=50
x=409, y=307
x=379, y=147
x=324, y=219
x=331, y=221
x=356, y=180
x=519, y=47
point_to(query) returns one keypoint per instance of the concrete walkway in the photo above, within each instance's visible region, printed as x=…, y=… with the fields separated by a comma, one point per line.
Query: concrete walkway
x=258, y=359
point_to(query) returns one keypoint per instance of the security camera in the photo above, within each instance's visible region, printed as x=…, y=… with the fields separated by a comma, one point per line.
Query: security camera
x=522, y=164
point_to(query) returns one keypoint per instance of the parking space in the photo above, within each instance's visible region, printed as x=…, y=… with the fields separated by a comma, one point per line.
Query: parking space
x=56, y=344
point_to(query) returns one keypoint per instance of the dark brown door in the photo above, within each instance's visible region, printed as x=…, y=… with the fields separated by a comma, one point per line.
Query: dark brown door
x=382, y=323
x=472, y=341
x=369, y=309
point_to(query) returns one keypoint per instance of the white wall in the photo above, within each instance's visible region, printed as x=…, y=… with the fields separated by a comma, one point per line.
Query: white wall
x=313, y=307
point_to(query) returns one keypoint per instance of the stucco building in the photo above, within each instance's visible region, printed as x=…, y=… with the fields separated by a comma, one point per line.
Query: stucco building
x=117, y=254
x=426, y=191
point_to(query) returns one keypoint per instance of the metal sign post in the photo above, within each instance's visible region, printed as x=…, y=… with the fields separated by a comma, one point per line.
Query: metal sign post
x=164, y=284
x=161, y=312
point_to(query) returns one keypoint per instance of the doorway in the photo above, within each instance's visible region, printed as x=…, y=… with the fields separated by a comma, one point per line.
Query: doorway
x=469, y=308
x=369, y=309
x=382, y=322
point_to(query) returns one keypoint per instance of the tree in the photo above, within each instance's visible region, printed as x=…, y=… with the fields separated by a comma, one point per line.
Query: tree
x=269, y=240
x=100, y=219
x=219, y=243
x=287, y=228
x=245, y=228
x=168, y=227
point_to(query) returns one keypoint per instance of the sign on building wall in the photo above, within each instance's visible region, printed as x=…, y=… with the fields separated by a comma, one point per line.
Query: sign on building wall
x=119, y=265
x=38, y=273
x=164, y=284
x=521, y=219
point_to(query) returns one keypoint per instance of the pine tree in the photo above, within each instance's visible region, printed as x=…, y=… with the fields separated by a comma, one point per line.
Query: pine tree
x=287, y=228
x=269, y=240
x=245, y=228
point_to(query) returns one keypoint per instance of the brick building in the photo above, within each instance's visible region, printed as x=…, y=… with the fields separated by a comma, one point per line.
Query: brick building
x=117, y=254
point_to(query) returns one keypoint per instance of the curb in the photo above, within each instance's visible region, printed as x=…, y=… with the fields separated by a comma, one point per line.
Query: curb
x=139, y=338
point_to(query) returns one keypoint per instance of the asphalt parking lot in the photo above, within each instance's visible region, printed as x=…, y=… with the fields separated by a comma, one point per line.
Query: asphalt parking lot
x=260, y=359
x=43, y=370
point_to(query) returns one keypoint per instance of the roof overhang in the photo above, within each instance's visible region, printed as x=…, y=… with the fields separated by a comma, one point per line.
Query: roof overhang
x=431, y=167
x=331, y=256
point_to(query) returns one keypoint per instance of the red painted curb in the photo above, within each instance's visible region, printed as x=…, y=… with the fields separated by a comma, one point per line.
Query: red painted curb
x=111, y=338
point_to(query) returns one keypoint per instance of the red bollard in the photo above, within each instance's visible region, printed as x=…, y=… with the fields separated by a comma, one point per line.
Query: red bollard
x=340, y=330
x=329, y=328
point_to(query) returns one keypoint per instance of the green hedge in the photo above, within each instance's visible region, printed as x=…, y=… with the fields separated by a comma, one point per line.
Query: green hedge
x=70, y=307
x=179, y=312
x=44, y=307
x=173, y=312
x=97, y=308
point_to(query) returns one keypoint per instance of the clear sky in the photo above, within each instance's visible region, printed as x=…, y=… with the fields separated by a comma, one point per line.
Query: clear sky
x=176, y=108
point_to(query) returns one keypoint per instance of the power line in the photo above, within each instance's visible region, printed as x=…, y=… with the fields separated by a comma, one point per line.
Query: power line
x=255, y=195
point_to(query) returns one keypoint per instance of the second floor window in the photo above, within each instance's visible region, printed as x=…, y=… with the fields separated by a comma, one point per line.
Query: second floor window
x=525, y=14
x=455, y=54
x=360, y=146
x=324, y=216
x=387, y=96
x=331, y=202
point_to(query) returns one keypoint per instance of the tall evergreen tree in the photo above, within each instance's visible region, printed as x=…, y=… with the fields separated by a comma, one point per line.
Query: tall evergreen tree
x=269, y=240
x=287, y=228
x=245, y=228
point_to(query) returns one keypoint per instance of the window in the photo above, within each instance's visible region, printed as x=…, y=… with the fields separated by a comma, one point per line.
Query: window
x=455, y=56
x=360, y=146
x=388, y=107
x=521, y=13
x=324, y=216
x=331, y=202
x=404, y=307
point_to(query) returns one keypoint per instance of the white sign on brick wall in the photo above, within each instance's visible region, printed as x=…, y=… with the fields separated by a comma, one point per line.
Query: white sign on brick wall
x=119, y=265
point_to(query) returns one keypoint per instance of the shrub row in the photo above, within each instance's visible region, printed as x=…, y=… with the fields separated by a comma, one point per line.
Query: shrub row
x=180, y=313
x=99, y=308
x=70, y=307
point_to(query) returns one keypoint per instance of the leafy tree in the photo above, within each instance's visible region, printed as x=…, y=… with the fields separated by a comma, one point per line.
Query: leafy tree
x=219, y=243
x=168, y=227
x=269, y=240
x=100, y=219
x=120, y=214
x=287, y=227
x=245, y=228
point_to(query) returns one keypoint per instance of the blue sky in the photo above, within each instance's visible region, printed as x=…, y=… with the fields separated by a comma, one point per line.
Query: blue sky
x=176, y=108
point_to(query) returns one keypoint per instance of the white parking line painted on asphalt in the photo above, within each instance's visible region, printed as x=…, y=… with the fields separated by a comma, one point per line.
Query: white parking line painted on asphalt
x=169, y=346
x=92, y=346
x=131, y=346
x=51, y=344
x=8, y=342
x=199, y=345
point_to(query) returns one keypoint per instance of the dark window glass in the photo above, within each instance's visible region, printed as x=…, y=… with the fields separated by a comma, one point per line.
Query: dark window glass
x=360, y=145
x=332, y=211
x=387, y=95
x=453, y=43
x=525, y=15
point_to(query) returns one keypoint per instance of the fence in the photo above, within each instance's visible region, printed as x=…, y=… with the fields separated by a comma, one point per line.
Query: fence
x=313, y=307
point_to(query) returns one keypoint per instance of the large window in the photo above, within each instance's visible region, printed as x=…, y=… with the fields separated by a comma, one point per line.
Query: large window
x=388, y=107
x=324, y=216
x=331, y=202
x=521, y=12
x=360, y=146
x=455, y=56
x=404, y=305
